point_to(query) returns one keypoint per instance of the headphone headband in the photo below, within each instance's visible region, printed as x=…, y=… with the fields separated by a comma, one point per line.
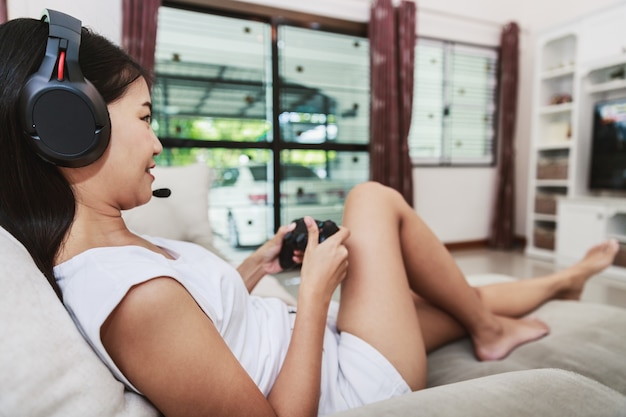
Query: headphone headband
x=64, y=115
x=62, y=26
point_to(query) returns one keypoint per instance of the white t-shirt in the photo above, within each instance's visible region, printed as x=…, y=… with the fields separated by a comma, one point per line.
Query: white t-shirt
x=257, y=330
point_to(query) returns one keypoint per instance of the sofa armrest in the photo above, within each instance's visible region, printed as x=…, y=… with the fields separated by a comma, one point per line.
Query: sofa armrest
x=538, y=392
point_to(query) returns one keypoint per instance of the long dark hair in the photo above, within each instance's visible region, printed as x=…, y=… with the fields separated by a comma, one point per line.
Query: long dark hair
x=37, y=205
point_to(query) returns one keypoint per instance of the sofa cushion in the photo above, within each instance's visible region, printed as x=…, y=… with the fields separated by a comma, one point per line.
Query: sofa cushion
x=584, y=337
x=539, y=392
x=182, y=216
x=46, y=367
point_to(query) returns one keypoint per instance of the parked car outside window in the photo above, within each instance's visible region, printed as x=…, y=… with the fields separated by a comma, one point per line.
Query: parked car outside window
x=241, y=203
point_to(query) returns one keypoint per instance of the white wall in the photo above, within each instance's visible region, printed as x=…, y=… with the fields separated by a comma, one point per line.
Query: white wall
x=104, y=17
x=456, y=202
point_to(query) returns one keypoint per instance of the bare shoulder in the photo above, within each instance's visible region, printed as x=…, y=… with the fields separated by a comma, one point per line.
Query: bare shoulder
x=170, y=350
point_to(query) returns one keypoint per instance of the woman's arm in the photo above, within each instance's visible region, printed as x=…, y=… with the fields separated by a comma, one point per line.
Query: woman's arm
x=324, y=267
x=264, y=260
x=170, y=351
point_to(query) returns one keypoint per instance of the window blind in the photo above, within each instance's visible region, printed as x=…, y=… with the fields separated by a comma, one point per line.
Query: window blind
x=454, y=104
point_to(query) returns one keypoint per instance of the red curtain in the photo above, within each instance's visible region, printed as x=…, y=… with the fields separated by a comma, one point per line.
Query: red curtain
x=392, y=54
x=502, y=234
x=139, y=27
x=3, y=11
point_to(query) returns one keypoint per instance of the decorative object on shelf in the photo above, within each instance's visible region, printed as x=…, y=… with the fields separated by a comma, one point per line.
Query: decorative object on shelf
x=544, y=237
x=558, y=131
x=545, y=204
x=561, y=98
x=552, y=168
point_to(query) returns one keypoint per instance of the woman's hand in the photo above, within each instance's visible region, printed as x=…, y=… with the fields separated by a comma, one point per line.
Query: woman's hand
x=265, y=259
x=269, y=251
x=325, y=264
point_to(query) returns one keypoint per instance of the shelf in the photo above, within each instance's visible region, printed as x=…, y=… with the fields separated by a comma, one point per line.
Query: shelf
x=558, y=72
x=552, y=183
x=606, y=86
x=544, y=217
x=556, y=108
x=554, y=146
x=621, y=238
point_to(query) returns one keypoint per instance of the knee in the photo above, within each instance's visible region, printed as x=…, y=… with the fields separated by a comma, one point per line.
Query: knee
x=369, y=189
x=374, y=192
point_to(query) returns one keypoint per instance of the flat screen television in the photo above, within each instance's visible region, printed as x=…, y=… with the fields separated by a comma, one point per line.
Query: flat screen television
x=608, y=146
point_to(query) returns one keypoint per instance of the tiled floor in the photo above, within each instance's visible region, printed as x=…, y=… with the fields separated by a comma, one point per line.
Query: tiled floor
x=603, y=288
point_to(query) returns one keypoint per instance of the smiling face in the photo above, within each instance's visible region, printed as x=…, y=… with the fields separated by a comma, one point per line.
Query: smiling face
x=121, y=178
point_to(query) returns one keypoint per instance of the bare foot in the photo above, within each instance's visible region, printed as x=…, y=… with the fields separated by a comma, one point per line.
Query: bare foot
x=600, y=256
x=496, y=345
x=597, y=259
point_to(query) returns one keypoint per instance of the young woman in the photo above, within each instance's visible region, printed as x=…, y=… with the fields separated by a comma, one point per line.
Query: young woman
x=176, y=324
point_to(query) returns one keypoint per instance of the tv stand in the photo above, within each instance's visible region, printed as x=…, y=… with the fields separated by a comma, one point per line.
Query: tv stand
x=585, y=221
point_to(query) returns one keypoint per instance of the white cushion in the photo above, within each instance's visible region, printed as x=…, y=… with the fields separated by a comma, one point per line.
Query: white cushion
x=46, y=367
x=183, y=215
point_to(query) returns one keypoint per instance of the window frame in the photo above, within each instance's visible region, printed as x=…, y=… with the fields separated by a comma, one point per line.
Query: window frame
x=442, y=161
x=277, y=145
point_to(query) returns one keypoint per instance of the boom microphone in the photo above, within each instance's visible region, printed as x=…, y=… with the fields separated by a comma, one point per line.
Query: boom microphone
x=162, y=192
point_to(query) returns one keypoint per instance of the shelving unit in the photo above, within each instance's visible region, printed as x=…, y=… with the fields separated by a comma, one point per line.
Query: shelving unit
x=553, y=136
x=606, y=86
x=584, y=60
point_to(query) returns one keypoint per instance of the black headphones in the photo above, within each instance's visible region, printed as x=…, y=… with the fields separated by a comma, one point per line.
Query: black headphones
x=63, y=113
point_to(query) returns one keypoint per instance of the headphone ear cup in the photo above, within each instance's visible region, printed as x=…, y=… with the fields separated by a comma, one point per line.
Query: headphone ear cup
x=62, y=112
x=68, y=122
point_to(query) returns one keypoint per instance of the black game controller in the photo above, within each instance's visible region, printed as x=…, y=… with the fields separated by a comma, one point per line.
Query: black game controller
x=298, y=238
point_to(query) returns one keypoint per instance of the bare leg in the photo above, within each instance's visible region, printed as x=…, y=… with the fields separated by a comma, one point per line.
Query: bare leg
x=376, y=300
x=518, y=298
x=393, y=254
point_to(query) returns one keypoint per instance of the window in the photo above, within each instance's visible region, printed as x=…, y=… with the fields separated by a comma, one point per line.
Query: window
x=279, y=112
x=454, y=104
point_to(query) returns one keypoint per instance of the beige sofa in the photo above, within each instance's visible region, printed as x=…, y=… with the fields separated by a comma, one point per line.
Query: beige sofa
x=47, y=369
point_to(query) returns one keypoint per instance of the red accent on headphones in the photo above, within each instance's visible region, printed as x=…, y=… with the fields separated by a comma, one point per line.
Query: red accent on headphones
x=61, y=67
